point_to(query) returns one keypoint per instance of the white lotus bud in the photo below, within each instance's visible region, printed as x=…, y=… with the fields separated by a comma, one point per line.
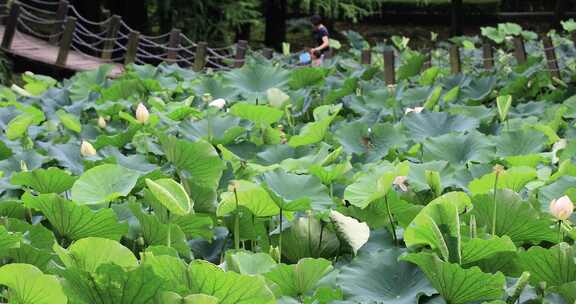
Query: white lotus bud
x=20, y=91
x=400, y=182
x=86, y=149
x=218, y=103
x=101, y=122
x=561, y=208
x=415, y=110
x=142, y=114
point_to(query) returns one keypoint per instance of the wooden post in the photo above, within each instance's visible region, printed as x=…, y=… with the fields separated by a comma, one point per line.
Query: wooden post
x=132, y=47
x=455, y=61
x=551, y=58
x=389, y=66
x=519, y=50
x=61, y=14
x=573, y=36
x=241, y=48
x=366, y=57
x=111, y=36
x=268, y=53
x=173, y=44
x=11, y=24
x=200, y=56
x=488, y=55
x=66, y=41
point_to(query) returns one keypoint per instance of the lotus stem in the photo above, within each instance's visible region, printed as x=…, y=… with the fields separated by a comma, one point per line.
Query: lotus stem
x=494, y=213
x=309, y=234
x=236, y=223
x=321, y=235
x=280, y=237
x=169, y=237
x=391, y=219
x=560, y=235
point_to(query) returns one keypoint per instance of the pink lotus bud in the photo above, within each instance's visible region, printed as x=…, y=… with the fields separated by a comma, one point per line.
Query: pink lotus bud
x=400, y=182
x=561, y=208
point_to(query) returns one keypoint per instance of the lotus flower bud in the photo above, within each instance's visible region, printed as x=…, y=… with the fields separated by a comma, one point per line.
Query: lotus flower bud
x=415, y=110
x=400, y=182
x=207, y=97
x=561, y=208
x=101, y=122
x=233, y=186
x=23, y=166
x=218, y=103
x=498, y=169
x=86, y=149
x=142, y=114
x=274, y=252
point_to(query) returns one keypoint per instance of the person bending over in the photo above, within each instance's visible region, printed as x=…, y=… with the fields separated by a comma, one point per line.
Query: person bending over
x=321, y=38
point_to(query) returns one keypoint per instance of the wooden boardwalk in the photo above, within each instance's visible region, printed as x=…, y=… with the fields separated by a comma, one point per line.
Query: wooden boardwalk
x=41, y=51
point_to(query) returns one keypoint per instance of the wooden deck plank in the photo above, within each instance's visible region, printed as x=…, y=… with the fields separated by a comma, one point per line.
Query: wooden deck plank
x=41, y=51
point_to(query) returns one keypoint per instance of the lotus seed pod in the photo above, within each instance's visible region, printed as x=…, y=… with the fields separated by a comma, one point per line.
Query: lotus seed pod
x=101, y=122
x=207, y=97
x=142, y=114
x=561, y=208
x=86, y=149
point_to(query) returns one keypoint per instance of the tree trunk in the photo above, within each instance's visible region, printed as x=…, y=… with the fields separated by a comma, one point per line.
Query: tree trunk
x=457, y=12
x=275, y=12
x=243, y=33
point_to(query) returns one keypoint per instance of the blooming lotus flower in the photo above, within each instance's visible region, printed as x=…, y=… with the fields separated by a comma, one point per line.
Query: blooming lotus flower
x=400, y=182
x=101, y=122
x=561, y=208
x=142, y=114
x=218, y=103
x=86, y=149
x=415, y=110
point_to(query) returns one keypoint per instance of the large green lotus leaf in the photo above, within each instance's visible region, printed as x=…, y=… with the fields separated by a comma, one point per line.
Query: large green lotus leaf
x=246, y=262
x=331, y=173
x=27, y=254
x=154, y=232
x=295, y=280
x=228, y=287
x=314, y=132
x=35, y=235
x=568, y=291
x=196, y=225
x=412, y=65
x=250, y=195
x=306, y=77
x=555, y=265
x=459, y=148
x=478, y=88
x=417, y=176
x=111, y=283
x=356, y=138
x=373, y=184
x=18, y=126
x=306, y=237
x=51, y=180
x=119, y=139
x=5, y=151
x=295, y=192
x=202, y=164
x=514, y=179
x=514, y=218
x=68, y=155
x=74, y=221
x=456, y=284
x=103, y=184
x=256, y=79
x=378, y=276
x=219, y=130
x=171, y=195
x=70, y=121
x=170, y=268
x=520, y=142
x=89, y=253
x=261, y=115
x=476, y=249
x=215, y=86
x=31, y=158
x=438, y=225
x=28, y=285
x=431, y=124
x=8, y=240
x=355, y=233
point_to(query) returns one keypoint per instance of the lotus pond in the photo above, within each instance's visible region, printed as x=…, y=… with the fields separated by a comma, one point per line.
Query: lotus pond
x=306, y=185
